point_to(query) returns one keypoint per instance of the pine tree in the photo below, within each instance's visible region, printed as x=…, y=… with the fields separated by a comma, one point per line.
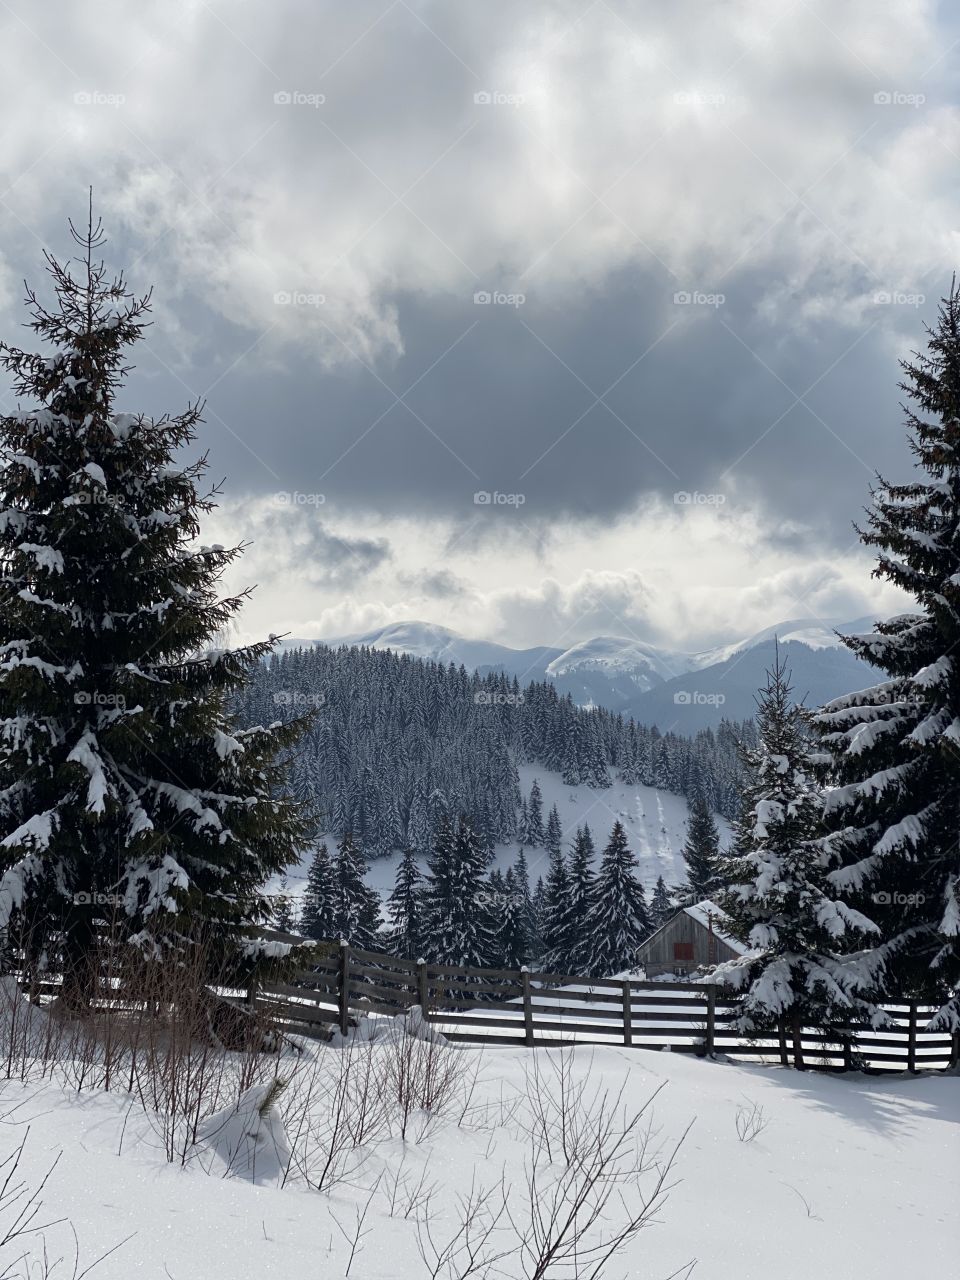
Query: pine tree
x=554, y=836
x=283, y=916
x=357, y=914
x=514, y=928
x=405, y=909
x=780, y=902
x=896, y=745
x=701, y=854
x=559, y=926
x=581, y=900
x=661, y=905
x=618, y=920
x=318, y=918
x=535, y=835
x=120, y=770
x=458, y=927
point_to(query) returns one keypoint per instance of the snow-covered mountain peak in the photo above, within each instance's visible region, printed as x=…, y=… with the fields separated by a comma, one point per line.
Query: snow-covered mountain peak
x=616, y=656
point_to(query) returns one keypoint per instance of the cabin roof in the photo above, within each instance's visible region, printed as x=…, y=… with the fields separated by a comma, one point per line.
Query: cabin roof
x=702, y=913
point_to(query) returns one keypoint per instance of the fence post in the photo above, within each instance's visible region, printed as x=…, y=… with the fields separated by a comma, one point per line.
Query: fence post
x=848, y=1051
x=955, y=1050
x=782, y=1039
x=344, y=992
x=252, y=991
x=627, y=1014
x=527, y=1006
x=711, y=1019
x=423, y=988
x=912, y=1038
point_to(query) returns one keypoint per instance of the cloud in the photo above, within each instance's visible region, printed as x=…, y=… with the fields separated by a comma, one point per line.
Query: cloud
x=587, y=257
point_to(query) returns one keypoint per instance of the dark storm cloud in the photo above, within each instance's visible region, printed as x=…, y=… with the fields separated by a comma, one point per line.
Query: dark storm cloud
x=701, y=243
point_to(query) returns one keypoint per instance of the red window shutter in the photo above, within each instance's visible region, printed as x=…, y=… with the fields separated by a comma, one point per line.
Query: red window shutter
x=683, y=951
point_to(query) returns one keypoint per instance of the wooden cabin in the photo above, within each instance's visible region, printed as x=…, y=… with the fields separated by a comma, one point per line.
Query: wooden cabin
x=692, y=939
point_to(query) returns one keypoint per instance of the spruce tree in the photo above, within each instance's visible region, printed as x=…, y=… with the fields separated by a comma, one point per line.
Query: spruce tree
x=896, y=745
x=559, y=926
x=357, y=907
x=618, y=920
x=318, y=917
x=283, y=914
x=121, y=772
x=458, y=926
x=661, y=904
x=514, y=932
x=405, y=909
x=780, y=902
x=581, y=899
x=535, y=834
x=701, y=854
x=554, y=836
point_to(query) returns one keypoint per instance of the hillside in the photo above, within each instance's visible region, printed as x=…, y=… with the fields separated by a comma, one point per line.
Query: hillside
x=655, y=822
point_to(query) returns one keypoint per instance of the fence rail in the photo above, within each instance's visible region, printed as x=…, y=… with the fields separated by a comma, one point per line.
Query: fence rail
x=517, y=1007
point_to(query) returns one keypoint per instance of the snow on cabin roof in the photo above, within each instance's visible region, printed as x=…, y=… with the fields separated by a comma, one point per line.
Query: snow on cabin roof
x=706, y=910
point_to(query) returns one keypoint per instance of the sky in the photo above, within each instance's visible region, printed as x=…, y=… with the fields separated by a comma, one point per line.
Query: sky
x=540, y=321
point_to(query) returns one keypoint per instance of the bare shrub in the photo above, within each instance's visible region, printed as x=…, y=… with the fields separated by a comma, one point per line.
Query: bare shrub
x=594, y=1179
x=407, y=1197
x=751, y=1121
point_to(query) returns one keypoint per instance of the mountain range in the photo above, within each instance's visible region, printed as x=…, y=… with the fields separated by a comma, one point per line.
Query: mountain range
x=682, y=691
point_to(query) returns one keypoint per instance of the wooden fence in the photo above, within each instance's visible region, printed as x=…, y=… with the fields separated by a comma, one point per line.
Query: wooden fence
x=508, y=1007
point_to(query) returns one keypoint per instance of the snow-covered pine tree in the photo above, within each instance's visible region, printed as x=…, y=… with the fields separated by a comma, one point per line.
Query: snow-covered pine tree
x=458, y=927
x=535, y=833
x=283, y=915
x=780, y=901
x=357, y=915
x=514, y=911
x=701, y=855
x=405, y=909
x=896, y=745
x=318, y=917
x=661, y=904
x=121, y=773
x=581, y=877
x=554, y=835
x=559, y=924
x=618, y=920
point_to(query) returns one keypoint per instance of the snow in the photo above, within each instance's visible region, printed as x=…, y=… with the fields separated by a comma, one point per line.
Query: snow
x=617, y=656
x=710, y=915
x=851, y=1177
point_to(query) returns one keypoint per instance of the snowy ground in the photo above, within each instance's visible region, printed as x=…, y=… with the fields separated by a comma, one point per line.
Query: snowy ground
x=851, y=1178
x=655, y=822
